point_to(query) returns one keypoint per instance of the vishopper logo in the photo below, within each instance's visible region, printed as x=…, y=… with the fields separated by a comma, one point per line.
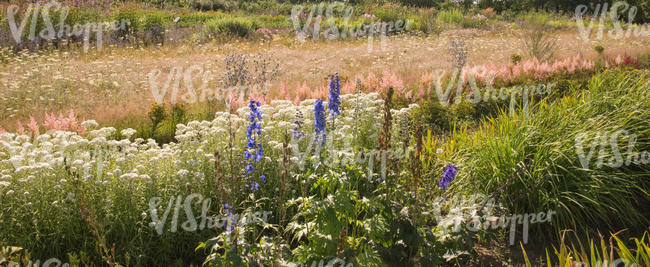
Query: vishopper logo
x=244, y=76
x=329, y=155
x=617, y=32
x=49, y=32
x=334, y=262
x=314, y=19
x=603, y=140
x=464, y=79
x=54, y=262
x=477, y=212
x=192, y=223
x=181, y=84
x=615, y=263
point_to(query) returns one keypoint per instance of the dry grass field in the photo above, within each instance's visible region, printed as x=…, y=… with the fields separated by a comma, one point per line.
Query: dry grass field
x=113, y=84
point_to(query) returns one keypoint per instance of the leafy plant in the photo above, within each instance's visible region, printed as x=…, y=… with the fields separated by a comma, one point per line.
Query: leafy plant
x=230, y=26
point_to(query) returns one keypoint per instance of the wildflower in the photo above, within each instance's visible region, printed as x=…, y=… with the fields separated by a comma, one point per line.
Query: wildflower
x=334, y=96
x=128, y=132
x=253, y=128
x=249, y=168
x=297, y=131
x=319, y=120
x=230, y=226
x=450, y=174
x=183, y=173
x=263, y=178
x=10, y=192
x=255, y=186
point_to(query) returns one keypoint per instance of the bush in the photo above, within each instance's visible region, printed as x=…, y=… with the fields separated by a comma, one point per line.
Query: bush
x=153, y=27
x=205, y=5
x=450, y=16
x=389, y=13
x=473, y=22
x=434, y=116
x=240, y=27
x=131, y=28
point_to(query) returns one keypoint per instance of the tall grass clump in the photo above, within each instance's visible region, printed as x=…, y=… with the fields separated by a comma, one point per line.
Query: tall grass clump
x=530, y=162
x=599, y=254
x=450, y=16
x=230, y=26
x=539, y=42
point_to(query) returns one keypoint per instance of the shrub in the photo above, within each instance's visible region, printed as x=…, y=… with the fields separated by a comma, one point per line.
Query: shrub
x=428, y=23
x=240, y=27
x=130, y=29
x=600, y=49
x=153, y=27
x=473, y=22
x=390, y=13
x=419, y=3
x=434, y=116
x=450, y=16
x=206, y=5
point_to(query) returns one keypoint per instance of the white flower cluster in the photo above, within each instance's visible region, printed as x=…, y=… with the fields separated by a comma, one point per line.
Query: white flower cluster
x=99, y=160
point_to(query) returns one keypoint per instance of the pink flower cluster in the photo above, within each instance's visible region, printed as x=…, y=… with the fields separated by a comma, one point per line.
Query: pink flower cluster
x=388, y=79
x=52, y=123
x=619, y=61
x=527, y=69
x=481, y=74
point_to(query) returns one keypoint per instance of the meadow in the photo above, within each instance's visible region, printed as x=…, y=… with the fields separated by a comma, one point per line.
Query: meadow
x=209, y=133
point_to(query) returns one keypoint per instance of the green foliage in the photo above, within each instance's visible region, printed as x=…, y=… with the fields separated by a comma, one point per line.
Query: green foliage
x=515, y=58
x=453, y=16
x=230, y=26
x=428, y=23
x=131, y=28
x=435, y=116
x=205, y=5
x=530, y=157
x=599, y=49
x=599, y=254
x=153, y=26
x=389, y=13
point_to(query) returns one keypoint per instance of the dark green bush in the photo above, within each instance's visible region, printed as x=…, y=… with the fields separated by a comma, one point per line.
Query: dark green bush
x=153, y=27
x=131, y=28
x=434, y=116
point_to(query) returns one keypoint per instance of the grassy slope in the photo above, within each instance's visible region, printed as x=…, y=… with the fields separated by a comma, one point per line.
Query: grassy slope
x=530, y=163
